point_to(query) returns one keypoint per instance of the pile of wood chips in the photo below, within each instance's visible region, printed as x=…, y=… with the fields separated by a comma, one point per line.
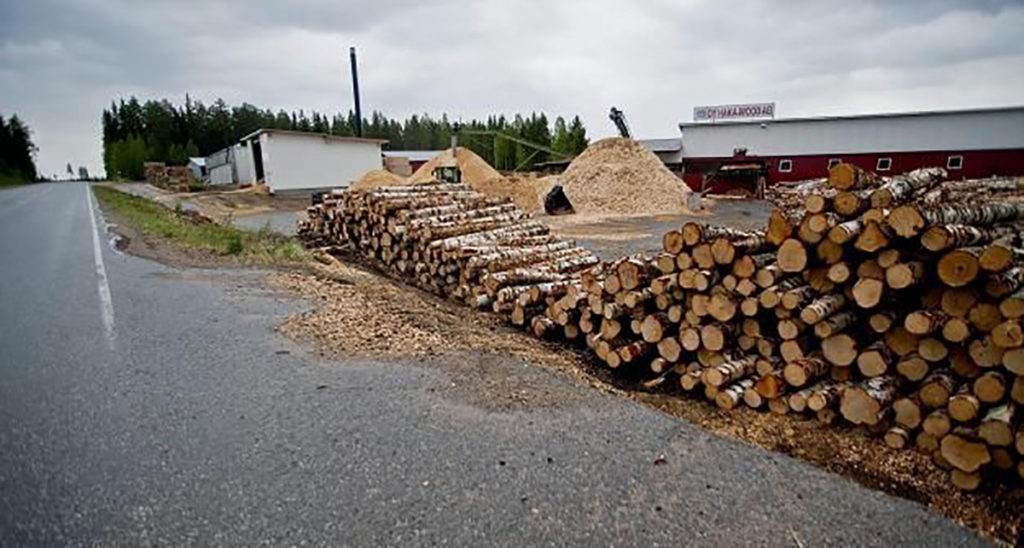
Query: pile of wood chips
x=620, y=176
x=892, y=304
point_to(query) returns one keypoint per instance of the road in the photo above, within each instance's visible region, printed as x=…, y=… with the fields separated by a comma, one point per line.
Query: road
x=191, y=421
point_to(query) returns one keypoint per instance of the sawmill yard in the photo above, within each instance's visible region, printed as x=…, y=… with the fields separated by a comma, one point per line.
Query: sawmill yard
x=862, y=327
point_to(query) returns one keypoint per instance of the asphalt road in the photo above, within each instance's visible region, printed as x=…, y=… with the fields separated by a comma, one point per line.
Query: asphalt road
x=196, y=423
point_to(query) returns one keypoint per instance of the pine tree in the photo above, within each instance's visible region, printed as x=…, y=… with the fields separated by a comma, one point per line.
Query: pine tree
x=578, y=136
x=16, y=152
x=135, y=132
x=561, y=141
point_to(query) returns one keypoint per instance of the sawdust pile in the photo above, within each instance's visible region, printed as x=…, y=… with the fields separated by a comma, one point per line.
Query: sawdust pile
x=376, y=178
x=474, y=168
x=620, y=176
x=526, y=191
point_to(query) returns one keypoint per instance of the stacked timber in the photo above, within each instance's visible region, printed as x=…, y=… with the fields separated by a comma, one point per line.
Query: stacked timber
x=457, y=243
x=905, y=303
x=867, y=301
x=893, y=304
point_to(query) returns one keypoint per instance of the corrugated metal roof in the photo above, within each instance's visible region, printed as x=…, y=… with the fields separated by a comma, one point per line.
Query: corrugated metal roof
x=259, y=132
x=413, y=155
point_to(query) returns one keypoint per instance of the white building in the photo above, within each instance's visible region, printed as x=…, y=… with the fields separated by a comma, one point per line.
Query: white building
x=197, y=166
x=220, y=168
x=244, y=172
x=293, y=160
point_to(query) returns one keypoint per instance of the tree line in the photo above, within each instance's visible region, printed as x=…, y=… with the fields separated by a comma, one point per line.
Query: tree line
x=17, y=164
x=135, y=132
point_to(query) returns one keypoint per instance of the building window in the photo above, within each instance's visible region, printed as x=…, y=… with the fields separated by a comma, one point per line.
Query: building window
x=833, y=162
x=785, y=166
x=884, y=164
x=955, y=162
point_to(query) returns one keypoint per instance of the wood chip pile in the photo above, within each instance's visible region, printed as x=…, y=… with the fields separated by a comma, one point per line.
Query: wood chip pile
x=892, y=304
x=620, y=176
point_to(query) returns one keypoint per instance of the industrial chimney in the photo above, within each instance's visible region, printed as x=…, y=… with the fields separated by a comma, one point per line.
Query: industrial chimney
x=355, y=90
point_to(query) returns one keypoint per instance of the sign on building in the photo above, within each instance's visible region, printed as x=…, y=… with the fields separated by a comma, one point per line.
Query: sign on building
x=722, y=112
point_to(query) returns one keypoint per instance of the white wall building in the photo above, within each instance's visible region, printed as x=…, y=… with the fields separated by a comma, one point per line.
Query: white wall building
x=220, y=168
x=244, y=172
x=197, y=166
x=292, y=160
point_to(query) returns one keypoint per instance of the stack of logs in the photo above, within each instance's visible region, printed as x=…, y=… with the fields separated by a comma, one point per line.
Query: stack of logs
x=453, y=241
x=893, y=304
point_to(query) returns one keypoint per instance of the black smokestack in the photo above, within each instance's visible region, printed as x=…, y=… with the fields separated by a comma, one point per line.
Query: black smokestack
x=355, y=91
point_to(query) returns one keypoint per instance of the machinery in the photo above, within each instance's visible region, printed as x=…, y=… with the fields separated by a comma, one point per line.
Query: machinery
x=495, y=135
x=557, y=203
x=619, y=119
x=448, y=174
x=747, y=176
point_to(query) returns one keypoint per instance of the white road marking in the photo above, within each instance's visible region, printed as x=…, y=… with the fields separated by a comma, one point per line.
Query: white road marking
x=106, y=303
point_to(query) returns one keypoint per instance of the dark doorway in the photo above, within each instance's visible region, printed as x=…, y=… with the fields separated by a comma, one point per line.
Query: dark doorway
x=257, y=158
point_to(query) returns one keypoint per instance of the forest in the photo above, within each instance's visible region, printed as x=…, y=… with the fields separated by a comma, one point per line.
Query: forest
x=135, y=132
x=17, y=164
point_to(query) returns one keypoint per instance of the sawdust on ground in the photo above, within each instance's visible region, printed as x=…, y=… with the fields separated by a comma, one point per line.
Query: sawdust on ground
x=995, y=511
x=474, y=168
x=617, y=175
x=376, y=178
x=360, y=313
x=225, y=205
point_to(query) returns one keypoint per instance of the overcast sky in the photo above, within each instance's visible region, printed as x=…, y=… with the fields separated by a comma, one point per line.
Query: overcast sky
x=62, y=62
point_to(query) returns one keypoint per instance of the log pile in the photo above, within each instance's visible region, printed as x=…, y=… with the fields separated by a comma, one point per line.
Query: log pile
x=457, y=243
x=869, y=301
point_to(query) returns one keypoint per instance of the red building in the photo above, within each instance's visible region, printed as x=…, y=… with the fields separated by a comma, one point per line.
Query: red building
x=969, y=143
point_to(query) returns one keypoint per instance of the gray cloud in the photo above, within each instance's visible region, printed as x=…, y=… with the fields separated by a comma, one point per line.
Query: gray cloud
x=61, y=62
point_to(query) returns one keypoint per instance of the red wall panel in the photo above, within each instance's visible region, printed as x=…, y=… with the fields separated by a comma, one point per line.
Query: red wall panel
x=976, y=164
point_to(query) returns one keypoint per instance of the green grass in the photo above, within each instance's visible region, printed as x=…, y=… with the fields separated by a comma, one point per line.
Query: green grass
x=261, y=246
x=10, y=180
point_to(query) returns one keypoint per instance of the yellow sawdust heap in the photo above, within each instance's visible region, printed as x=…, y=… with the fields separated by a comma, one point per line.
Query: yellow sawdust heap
x=526, y=191
x=377, y=178
x=620, y=176
x=474, y=168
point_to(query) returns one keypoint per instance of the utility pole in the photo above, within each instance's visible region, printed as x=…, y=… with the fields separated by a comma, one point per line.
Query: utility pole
x=355, y=90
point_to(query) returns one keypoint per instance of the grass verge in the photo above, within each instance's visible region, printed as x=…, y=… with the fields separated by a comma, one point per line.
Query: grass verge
x=199, y=234
x=11, y=180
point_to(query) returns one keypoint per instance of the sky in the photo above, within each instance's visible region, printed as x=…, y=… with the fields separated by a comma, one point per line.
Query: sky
x=62, y=62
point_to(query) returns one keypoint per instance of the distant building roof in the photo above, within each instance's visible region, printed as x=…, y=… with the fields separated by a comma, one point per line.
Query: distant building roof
x=874, y=115
x=413, y=155
x=259, y=132
x=197, y=161
x=670, y=144
x=949, y=130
